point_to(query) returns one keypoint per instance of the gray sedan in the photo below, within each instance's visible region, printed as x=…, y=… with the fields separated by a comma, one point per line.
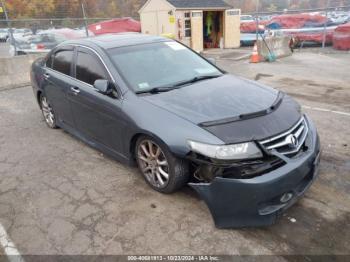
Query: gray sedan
x=246, y=148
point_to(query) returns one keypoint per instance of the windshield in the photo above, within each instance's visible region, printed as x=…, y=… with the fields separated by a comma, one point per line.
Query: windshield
x=163, y=64
x=19, y=31
x=48, y=38
x=246, y=17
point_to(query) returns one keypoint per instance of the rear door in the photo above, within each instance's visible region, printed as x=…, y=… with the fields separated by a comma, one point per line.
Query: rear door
x=57, y=83
x=97, y=116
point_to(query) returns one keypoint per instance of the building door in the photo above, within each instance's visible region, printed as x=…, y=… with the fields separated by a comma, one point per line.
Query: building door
x=197, y=30
x=232, y=33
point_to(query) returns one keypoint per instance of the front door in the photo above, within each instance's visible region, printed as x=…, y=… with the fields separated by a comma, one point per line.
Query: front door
x=97, y=116
x=232, y=31
x=197, y=42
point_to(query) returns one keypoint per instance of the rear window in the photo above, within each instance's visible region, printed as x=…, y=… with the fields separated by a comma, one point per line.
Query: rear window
x=62, y=61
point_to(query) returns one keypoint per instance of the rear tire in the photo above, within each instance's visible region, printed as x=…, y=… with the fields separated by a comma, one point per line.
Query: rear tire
x=163, y=171
x=48, y=113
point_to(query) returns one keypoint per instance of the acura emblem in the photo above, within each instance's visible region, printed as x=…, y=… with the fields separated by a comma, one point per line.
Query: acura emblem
x=292, y=141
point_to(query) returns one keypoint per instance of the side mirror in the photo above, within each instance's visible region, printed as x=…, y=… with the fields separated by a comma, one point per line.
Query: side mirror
x=103, y=86
x=212, y=60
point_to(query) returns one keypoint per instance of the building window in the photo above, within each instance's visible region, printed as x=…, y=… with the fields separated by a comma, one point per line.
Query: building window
x=233, y=12
x=187, y=24
x=196, y=14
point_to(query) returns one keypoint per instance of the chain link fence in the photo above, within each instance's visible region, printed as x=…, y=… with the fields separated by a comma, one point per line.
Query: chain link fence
x=29, y=22
x=55, y=30
x=313, y=25
x=35, y=17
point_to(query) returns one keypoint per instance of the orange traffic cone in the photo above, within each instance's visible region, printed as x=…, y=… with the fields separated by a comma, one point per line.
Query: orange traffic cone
x=255, y=58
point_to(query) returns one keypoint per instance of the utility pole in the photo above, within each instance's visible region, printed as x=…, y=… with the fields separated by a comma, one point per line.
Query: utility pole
x=257, y=20
x=12, y=40
x=85, y=20
x=325, y=26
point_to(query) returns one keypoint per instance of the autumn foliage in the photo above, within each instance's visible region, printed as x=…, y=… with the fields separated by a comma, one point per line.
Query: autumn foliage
x=121, y=8
x=18, y=9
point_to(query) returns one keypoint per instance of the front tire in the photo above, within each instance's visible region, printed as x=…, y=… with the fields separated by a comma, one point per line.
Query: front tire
x=48, y=112
x=163, y=171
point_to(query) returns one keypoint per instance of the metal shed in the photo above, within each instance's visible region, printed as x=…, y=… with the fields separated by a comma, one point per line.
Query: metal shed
x=200, y=24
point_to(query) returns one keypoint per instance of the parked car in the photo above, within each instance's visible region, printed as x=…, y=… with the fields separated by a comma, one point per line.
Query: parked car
x=341, y=19
x=338, y=17
x=246, y=148
x=45, y=40
x=4, y=34
x=40, y=43
x=21, y=34
x=247, y=18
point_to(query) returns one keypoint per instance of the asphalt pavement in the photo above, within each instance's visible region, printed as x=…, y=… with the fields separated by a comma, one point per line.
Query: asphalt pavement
x=59, y=196
x=4, y=50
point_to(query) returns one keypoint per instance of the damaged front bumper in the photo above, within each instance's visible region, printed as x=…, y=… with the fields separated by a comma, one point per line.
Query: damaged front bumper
x=258, y=201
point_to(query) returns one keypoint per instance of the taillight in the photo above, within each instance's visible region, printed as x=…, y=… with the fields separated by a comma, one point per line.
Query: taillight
x=40, y=46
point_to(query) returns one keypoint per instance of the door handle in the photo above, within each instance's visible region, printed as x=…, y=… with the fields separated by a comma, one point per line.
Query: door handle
x=46, y=76
x=75, y=90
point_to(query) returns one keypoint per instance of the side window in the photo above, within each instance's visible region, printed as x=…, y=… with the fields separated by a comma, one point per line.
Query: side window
x=89, y=68
x=62, y=61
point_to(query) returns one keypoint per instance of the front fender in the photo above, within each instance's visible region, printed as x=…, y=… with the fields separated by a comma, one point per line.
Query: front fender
x=172, y=130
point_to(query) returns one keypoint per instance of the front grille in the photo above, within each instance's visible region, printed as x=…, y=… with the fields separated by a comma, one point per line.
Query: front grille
x=290, y=142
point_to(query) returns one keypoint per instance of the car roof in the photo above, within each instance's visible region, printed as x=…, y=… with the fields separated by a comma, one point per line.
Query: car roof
x=109, y=41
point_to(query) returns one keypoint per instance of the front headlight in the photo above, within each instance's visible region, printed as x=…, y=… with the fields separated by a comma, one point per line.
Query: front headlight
x=227, y=152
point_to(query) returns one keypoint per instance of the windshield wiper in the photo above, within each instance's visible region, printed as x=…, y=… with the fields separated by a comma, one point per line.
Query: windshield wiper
x=196, y=79
x=155, y=90
x=161, y=89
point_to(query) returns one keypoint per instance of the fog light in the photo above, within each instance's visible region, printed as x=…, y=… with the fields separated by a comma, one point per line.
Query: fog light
x=286, y=197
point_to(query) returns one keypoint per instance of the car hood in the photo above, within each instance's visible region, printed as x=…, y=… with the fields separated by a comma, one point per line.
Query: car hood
x=216, y=105
x=224, y=97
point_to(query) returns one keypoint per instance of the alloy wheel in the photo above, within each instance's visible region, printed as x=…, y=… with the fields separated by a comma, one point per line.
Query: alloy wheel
x=47, y=112
x=153, y=164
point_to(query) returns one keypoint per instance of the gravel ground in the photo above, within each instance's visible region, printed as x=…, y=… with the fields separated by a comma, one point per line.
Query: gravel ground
x=59, y=196
x=4, y=50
